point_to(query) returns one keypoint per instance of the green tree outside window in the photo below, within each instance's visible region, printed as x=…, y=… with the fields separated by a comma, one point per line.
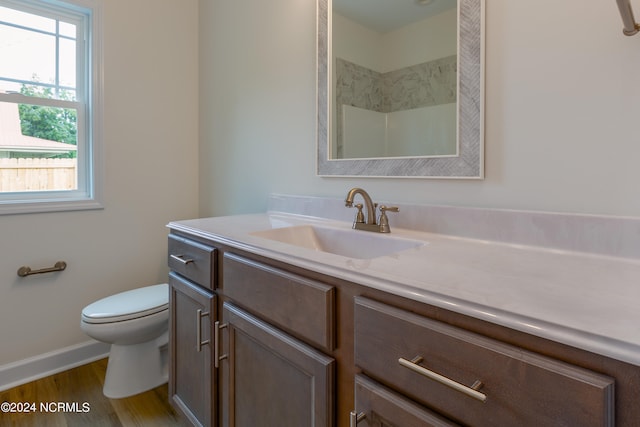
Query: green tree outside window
x=54, y=124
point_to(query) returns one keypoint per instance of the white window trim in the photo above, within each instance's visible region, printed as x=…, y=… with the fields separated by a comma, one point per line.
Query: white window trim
x=92, y=196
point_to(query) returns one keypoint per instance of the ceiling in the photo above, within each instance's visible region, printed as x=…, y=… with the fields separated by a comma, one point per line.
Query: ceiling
x=387, y=15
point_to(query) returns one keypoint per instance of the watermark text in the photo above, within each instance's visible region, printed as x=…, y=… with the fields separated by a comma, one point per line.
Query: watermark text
x=45, y=407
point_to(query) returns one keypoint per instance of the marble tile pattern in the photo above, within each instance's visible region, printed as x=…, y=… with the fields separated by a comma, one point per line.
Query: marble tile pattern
x=358, y=86
x=422, y=85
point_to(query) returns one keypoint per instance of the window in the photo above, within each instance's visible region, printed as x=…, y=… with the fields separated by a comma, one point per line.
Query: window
x=50, y=105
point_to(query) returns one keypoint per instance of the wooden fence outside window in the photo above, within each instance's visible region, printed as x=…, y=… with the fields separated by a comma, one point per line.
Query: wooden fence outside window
x=37, y=174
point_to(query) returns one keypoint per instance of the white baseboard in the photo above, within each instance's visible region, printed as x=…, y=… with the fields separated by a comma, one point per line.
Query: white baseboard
x=43, y=365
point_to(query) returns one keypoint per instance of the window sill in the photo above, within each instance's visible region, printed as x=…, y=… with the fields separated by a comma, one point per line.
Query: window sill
x=35, y=206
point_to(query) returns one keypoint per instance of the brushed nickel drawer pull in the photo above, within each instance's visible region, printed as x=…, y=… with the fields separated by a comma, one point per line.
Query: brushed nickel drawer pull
x=469, y=391
x=199, y=316
x=216, y=343
x=181, y=259
x=355, y=418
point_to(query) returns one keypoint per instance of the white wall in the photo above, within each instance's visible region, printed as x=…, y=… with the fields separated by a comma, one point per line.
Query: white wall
x=364, y=132
x=562, y=109
x=423, y=131
x=151, y=133
x=427, y=40
x=357, y=44
x=423, y=41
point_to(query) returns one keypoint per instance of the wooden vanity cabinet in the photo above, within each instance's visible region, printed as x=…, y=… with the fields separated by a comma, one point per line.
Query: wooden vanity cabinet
x=273, y=370
x=299, y=348
x=193, y=307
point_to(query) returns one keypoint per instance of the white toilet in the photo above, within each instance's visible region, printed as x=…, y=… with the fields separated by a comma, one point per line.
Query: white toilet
x=136, y=324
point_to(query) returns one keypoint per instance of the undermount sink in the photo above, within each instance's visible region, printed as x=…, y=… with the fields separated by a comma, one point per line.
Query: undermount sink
x=345, y=242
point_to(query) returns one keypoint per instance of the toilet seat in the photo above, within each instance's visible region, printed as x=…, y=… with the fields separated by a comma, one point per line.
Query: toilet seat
x=128, y=305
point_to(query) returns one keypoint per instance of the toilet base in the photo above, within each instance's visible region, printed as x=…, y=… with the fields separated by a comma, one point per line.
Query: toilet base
x=133, y=369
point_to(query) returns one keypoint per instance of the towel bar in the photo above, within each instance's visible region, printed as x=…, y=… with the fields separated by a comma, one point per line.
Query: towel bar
x=27, y=271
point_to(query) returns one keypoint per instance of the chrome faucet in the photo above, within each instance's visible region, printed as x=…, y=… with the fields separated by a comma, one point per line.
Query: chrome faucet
x=370, y=224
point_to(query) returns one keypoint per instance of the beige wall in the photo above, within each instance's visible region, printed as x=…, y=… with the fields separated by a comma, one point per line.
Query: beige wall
x=151, y=132
x=562, y=109
x=561, y=124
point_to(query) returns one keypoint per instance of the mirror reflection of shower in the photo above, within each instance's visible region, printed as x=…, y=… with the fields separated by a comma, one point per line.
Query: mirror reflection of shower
x=394, y=78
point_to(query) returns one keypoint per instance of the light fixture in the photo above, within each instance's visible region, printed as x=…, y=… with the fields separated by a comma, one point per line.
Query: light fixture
x=424, y=2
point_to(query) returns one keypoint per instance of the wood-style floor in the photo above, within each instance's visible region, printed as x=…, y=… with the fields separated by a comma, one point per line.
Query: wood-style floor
x=84, y=384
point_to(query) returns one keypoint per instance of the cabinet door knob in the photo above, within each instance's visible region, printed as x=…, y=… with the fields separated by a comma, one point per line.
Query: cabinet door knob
x=469, y=391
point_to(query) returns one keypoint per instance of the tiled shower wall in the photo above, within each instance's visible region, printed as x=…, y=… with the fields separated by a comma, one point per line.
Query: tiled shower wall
x=422, y=85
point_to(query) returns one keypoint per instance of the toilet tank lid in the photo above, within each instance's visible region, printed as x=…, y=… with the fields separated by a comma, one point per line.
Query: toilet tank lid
x=142, y=300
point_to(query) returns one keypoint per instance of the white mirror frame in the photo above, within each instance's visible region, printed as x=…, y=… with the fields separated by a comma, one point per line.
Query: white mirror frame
x=469, y=163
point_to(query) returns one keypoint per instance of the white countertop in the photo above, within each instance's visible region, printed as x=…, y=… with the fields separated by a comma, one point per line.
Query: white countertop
x=583, y=300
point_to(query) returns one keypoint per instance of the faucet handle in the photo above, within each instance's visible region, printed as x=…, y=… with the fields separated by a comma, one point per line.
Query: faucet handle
x=384, y=208
x=359, y=214
x=384, y=221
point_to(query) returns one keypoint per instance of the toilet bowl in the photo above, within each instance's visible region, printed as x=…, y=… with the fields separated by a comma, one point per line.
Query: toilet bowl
x=136, y=324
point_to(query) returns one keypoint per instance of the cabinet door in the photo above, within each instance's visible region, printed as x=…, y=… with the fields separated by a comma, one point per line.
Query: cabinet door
x=271, y=379
x=192, y=379
x=378, y=406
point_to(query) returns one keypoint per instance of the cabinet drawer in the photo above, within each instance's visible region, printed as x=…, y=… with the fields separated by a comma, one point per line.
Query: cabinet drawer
x=302, y=307
x=378, y=406
x=521, y=387
x=193, y=260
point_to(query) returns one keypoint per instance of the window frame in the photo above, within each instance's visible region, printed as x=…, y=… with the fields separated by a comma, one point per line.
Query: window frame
x=88, y=105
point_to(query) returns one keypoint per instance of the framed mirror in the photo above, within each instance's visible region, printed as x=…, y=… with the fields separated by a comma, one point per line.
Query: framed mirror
x=390, y=105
